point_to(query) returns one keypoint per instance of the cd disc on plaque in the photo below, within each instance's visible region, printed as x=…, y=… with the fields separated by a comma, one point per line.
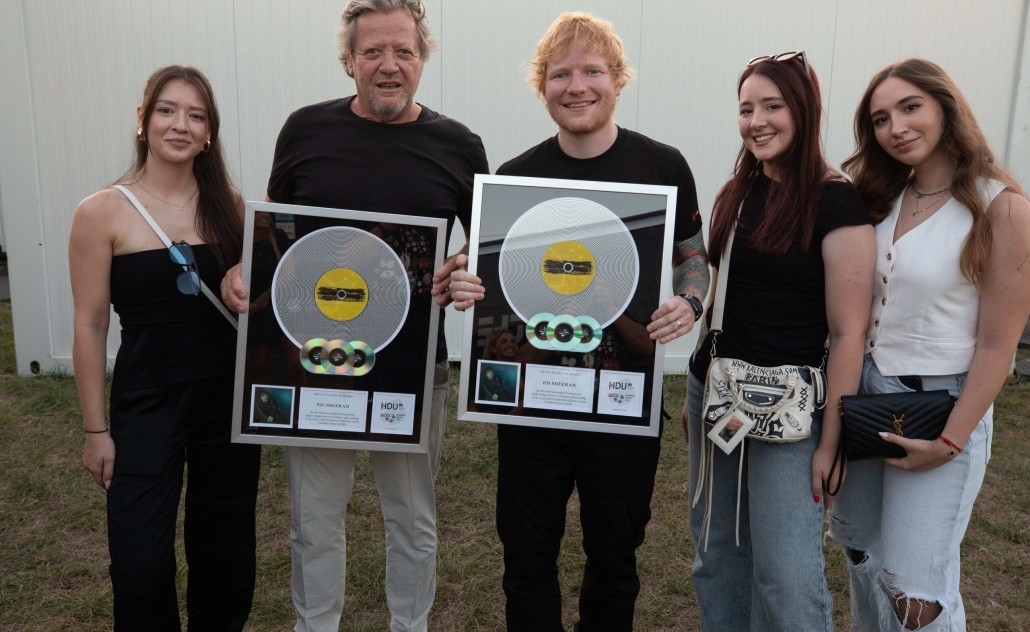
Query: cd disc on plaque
x=312, y=353
x=569, y=256
x=336, y=359
x=341, y=283
x=361, y=359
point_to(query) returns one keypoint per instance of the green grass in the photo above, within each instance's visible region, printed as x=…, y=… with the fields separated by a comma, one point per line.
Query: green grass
x=54, y=555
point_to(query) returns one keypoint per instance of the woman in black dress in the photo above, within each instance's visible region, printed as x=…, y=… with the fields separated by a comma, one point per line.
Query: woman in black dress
x=171, y=397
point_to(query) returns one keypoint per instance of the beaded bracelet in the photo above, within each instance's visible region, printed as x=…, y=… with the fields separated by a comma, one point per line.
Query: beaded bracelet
x=954, y=448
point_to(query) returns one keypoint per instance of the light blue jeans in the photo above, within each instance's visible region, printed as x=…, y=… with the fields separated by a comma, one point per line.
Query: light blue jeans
x=901, y=531
x=773, y=581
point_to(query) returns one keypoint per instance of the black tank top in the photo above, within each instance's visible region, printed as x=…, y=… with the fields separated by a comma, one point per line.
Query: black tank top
x=167, y=337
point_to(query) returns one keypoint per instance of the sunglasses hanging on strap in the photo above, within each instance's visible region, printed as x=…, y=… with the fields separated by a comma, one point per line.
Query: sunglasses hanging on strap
x=189, y=281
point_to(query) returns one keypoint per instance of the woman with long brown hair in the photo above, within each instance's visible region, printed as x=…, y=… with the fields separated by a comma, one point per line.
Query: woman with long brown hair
x=951, y=298
x=171, y=396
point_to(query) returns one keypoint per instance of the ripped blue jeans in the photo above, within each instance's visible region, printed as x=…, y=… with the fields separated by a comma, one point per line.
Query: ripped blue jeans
x=901, y=531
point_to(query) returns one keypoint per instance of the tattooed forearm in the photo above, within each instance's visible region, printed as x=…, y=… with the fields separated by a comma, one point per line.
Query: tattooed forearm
x=690, y=274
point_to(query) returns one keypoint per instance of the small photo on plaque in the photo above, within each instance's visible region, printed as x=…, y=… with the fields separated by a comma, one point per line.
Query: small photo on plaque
x=497, y=382
x=271, y=406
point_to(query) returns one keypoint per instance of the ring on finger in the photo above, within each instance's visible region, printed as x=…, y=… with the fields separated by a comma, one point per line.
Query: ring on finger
x=678, y=323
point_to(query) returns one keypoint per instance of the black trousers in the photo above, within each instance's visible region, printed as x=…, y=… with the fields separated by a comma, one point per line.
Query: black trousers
x=156, y=432
x=614, y=475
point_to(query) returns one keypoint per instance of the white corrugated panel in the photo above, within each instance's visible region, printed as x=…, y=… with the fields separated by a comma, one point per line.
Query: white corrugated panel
x=73, y=71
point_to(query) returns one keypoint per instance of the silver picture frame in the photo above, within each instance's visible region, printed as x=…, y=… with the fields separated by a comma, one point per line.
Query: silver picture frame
x=588, y=254
x=342, y=392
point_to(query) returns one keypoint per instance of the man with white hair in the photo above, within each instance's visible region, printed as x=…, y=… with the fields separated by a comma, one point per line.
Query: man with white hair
x=381, y=151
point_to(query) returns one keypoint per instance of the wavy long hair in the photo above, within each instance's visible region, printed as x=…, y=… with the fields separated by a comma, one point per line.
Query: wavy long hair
x=218, y=220
x=880, y=179
x=791, y=203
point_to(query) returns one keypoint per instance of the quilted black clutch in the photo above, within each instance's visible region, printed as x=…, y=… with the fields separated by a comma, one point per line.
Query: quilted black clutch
x=916, y=415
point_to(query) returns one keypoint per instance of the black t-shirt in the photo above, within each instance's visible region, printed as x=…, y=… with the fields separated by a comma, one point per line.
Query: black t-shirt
x=634, y=159
x=327, y=156
x=775, y=310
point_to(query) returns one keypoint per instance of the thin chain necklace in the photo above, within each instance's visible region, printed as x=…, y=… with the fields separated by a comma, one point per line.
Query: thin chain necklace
x=918, y=195
x=178, y=206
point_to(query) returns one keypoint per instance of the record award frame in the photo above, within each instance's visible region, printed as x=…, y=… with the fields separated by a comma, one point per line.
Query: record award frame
x=573, y=270
x=338, y=348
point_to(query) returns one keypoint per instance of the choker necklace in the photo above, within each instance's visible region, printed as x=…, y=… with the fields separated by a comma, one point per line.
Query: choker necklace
x=919, y=195
x=186, y=201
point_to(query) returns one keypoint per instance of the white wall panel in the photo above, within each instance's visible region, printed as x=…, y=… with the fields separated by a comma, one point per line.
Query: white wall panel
x=287, y=56
x=73, y=72
x=978, y=46
x=88, y=62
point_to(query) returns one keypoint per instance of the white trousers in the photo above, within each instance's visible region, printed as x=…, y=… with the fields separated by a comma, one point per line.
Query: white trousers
x=321, y=480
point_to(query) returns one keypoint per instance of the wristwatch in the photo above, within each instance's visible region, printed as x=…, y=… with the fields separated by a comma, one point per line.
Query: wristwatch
x=695, y=304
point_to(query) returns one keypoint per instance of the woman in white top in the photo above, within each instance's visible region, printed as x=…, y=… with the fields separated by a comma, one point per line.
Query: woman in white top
x=951, y=297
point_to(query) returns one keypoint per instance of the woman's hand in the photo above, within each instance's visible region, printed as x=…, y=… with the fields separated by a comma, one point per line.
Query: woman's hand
x=922, y=455
x=822, y=463
x=98, y=457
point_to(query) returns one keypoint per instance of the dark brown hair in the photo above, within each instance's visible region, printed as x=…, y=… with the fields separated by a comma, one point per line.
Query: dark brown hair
x=791, y=203
x=218, y=218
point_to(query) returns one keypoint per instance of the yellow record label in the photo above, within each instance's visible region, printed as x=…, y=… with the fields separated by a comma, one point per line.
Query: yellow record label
x=568, y=267
x=341, y=294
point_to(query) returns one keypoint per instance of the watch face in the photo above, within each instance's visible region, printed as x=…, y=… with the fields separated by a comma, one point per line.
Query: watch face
x=695, y=304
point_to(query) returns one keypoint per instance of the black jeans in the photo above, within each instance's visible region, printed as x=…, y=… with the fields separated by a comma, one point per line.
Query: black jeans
x=156, y=432
x=537, y=469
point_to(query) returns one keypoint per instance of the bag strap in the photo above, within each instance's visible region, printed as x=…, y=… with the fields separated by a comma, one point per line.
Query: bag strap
x=168, y=244
x=723, y=279
x=839, y=457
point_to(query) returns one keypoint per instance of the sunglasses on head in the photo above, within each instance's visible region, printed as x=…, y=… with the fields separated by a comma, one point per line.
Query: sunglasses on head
x=181, y=254
x=784, y=57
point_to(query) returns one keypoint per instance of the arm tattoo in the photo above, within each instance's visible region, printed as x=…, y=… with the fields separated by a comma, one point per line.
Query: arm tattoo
x=690, y=275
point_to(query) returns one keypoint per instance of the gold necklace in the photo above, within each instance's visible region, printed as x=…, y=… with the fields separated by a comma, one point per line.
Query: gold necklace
x=178, y=206
x=919, y=195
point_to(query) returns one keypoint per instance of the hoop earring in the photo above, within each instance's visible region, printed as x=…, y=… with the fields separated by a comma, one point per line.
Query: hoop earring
x=207, y=146
x=139, y=134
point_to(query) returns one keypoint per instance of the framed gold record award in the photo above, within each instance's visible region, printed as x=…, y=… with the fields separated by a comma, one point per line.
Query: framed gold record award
x=338, y=346
x=573, y=271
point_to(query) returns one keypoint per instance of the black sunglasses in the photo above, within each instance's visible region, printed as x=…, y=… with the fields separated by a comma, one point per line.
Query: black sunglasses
x=789, y=55
x=189, y=281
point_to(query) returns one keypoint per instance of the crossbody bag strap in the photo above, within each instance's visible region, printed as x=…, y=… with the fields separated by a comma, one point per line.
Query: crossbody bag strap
x=168, y=244
x=723, y=278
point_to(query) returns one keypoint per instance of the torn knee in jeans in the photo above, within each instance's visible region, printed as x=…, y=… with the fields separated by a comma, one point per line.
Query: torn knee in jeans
x=915, y=614
x=856, y=556
x=842, y=532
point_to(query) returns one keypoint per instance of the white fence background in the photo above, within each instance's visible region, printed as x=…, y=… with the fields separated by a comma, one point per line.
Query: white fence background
x=72, y=72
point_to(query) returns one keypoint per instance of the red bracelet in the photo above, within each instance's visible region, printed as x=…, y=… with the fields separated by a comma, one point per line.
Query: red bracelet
x=954, y=448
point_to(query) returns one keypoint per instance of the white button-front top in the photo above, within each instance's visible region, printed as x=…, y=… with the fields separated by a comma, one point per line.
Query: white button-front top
x=924, y=312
